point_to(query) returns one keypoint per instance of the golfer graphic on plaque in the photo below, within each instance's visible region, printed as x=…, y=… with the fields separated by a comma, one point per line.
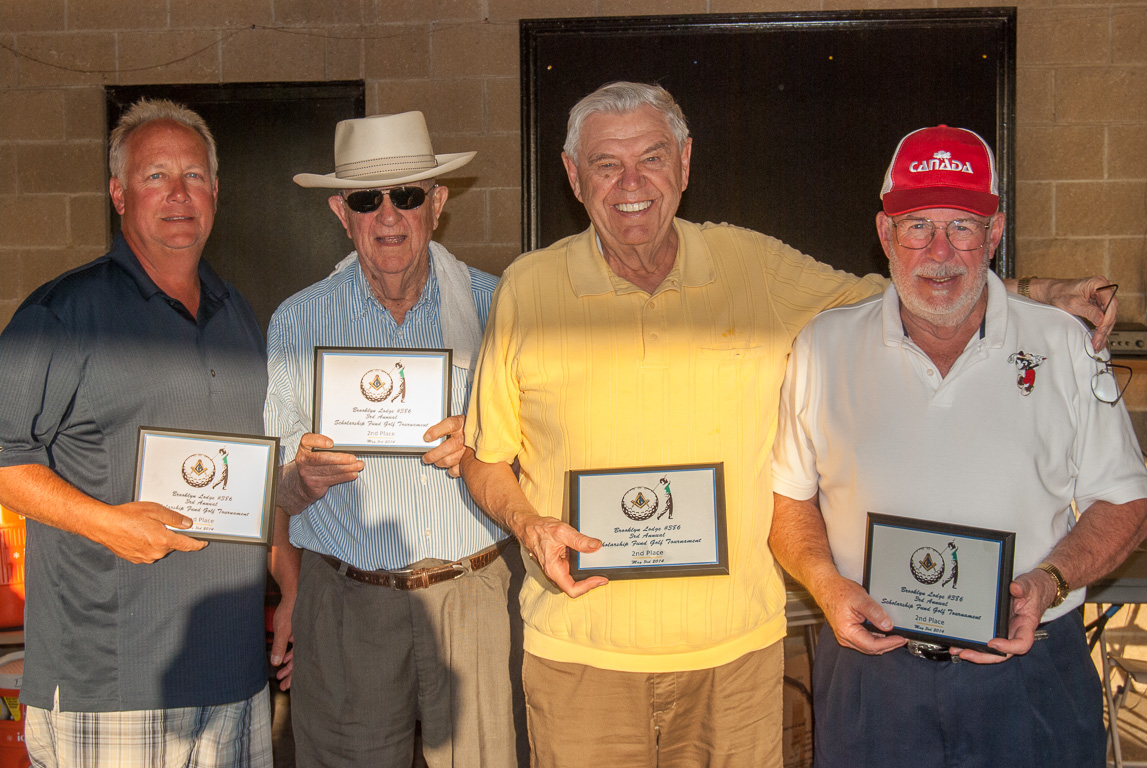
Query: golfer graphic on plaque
x=653, y=522
x=374, y=400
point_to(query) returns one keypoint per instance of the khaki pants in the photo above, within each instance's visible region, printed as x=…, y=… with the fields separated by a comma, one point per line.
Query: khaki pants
x=369, y=661
x=729, y=716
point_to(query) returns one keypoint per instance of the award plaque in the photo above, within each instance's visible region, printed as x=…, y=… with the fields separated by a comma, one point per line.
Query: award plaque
x=225, y=483
x=940, y=583
x=375, y=400
x=653, y=522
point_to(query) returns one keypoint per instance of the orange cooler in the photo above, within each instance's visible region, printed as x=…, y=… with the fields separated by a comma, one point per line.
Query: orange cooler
x=12, y=539
x=13, y=753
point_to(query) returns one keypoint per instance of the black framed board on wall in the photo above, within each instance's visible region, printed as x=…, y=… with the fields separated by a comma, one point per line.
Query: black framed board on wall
x=794, y=116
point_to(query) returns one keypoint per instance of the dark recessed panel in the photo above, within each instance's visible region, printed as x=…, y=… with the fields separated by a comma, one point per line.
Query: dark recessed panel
x=271, y=237
x=794, y=117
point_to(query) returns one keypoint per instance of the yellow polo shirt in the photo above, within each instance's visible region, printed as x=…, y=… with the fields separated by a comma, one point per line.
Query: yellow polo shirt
x=580, y=369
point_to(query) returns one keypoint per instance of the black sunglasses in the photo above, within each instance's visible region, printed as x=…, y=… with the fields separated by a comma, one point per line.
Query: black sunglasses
x=370, y=200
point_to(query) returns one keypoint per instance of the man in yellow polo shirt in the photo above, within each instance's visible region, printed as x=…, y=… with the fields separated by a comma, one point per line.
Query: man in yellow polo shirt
x=646, y=340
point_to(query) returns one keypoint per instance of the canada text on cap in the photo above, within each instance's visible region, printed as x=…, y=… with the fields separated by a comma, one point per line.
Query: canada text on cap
x=941, y=167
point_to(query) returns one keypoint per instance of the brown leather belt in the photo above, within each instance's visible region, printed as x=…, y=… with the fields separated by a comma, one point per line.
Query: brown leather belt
x=421, y=578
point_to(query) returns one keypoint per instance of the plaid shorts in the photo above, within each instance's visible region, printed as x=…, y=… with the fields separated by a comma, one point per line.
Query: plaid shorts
x=234, y=735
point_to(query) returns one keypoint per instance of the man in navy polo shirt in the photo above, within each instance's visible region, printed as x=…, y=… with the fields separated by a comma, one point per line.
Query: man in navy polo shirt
x=144, y=646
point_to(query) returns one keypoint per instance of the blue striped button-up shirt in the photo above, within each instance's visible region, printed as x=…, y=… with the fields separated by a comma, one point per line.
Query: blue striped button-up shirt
x=399, y=510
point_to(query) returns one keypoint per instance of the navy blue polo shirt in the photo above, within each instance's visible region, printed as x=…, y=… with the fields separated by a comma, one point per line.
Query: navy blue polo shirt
x=86, y=360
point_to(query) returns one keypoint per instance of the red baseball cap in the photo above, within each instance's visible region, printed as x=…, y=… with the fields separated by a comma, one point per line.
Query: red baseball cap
x=942, y=167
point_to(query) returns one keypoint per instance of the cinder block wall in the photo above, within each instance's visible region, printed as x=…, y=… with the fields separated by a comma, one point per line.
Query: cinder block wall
x=1082, y=110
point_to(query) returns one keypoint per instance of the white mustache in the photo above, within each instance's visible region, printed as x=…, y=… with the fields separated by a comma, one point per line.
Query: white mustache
x=941, y=270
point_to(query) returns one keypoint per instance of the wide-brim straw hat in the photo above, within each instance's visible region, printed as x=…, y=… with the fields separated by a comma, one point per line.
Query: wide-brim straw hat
x=383, y=151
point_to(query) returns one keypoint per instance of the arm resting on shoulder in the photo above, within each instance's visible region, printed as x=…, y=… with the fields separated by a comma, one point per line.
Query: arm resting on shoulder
x=136, y=531
x=495, y=489
x=799, y=542
x=1079, y=297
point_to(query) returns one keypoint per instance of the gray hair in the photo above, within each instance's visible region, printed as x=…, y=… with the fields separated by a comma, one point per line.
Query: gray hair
x=621, y=98
x=145, y=111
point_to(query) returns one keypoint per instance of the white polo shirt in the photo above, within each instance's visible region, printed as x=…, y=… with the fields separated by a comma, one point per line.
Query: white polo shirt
x=866, y=418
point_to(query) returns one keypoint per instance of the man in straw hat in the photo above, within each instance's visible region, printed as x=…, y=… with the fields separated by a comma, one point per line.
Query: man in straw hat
x=645, y=341
x=402, y=611
x=144, y=646
x=948, y=400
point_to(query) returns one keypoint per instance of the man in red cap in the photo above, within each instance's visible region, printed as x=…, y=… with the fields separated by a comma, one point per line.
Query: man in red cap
x=950, y=402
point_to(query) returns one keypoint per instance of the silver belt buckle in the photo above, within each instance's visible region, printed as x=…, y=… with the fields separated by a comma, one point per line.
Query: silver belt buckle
x=459, y=570
x=930, y=651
